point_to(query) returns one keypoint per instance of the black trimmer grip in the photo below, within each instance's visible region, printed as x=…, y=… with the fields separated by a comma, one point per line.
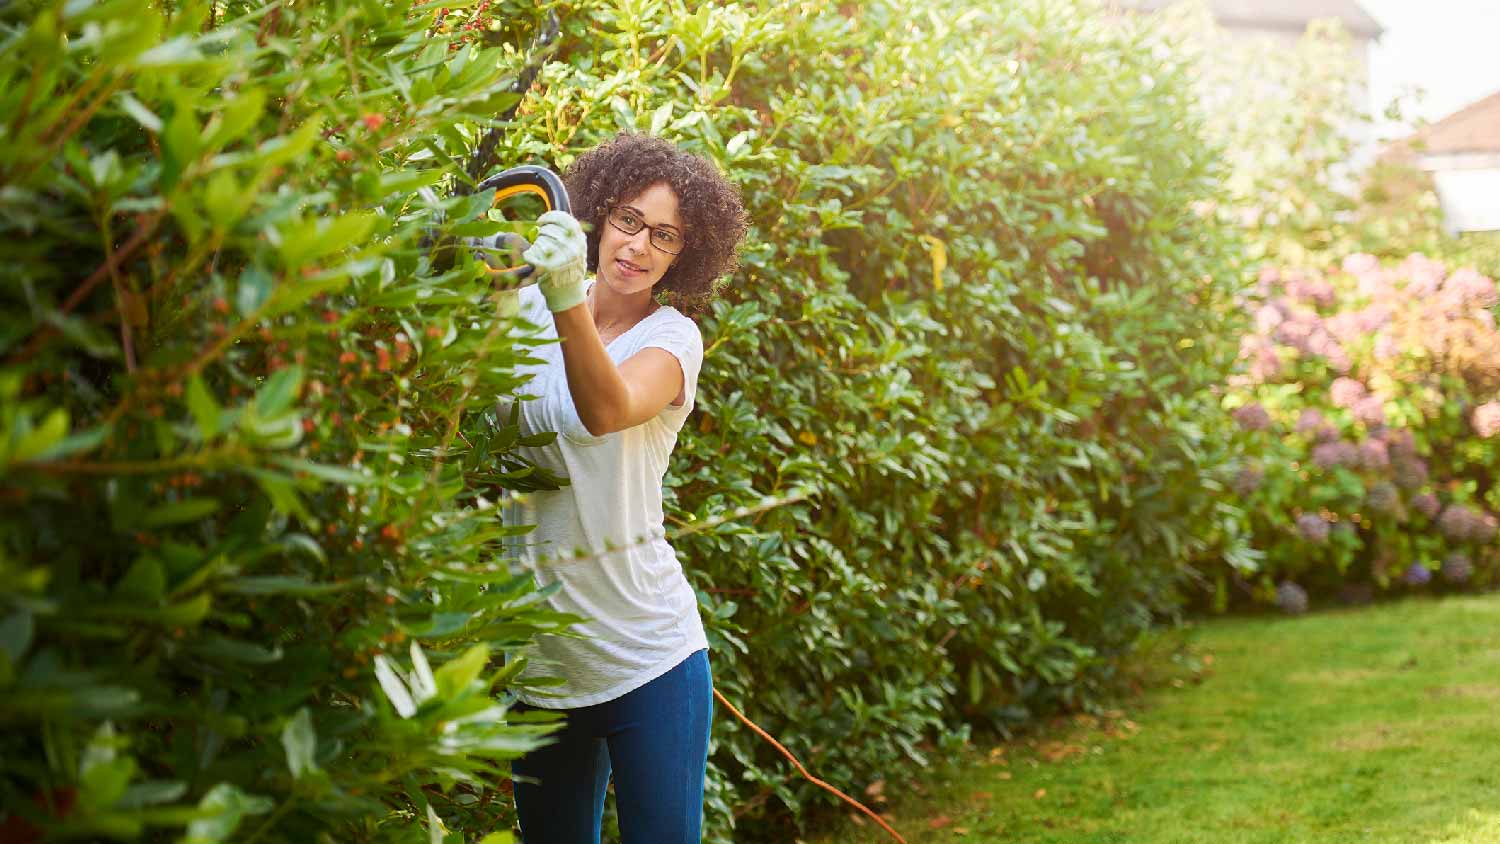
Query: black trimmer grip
x=518, y=180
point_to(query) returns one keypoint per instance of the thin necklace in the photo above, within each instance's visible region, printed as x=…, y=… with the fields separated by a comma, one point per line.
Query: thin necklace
x=593, y=306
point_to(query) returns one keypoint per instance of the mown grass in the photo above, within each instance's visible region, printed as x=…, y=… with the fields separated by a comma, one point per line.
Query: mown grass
x=1379, y=726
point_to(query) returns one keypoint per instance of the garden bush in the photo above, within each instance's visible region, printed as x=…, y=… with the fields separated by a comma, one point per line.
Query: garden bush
x=956, y=407
x=1371, y=404
x=1357, y=378
x=957, y=442
x=249, y=542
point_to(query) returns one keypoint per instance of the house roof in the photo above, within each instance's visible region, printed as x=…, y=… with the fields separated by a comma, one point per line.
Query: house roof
x=1289, y=15
x=1473, y=128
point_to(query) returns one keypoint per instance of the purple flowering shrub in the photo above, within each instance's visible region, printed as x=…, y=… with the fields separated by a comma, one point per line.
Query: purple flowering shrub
x=1368, y=396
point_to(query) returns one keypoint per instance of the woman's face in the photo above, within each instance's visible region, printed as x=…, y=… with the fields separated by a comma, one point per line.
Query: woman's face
x=630, y=263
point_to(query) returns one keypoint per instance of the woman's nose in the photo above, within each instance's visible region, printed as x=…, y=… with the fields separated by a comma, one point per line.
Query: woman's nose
x=640, y=240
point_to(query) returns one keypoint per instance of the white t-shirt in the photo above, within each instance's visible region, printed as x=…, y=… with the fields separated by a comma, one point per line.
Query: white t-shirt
x=642, y=613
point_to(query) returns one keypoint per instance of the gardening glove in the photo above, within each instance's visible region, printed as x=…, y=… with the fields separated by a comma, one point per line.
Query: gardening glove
x=559, y=254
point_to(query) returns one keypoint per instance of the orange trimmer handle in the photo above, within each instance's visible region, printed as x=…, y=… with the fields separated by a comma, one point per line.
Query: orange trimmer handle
x=526, y=179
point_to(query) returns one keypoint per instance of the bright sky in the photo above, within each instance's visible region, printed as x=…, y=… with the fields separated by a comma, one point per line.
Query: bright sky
x=1446, y=47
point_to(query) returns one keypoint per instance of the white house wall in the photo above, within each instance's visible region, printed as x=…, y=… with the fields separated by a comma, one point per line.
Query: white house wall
x=1469, y=192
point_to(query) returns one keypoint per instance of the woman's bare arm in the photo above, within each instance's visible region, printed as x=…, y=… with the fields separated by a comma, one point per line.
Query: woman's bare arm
x=612, y=398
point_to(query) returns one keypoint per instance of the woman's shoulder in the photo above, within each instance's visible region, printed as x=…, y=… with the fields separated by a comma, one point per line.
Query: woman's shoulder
x=668, y=323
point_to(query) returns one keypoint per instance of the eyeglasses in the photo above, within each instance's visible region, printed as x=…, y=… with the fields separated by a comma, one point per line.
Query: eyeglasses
x=628, y=220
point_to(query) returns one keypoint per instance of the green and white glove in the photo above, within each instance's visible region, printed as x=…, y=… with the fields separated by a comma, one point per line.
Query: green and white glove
x=560, y=255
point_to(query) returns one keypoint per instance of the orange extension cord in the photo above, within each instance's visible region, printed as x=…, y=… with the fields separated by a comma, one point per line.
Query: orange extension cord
x=814, y=780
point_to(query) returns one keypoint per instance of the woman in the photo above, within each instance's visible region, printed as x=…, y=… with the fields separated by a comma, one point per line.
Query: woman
x=636, y=686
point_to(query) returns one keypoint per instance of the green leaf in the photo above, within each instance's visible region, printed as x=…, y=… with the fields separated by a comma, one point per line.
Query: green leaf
x=222, y=810
x=16, y=632
x=224, y=199
x=314, y=238
x=423, y=685
x=253, y=291
x=175, y=52
x=182, y=614
x=179, y=143
x=661, y=117
x=276, y=395
x=186, y=613
x=278, y=584
x=101, y=786
x=78, y=443
x=151, y=793
x=136, y=109
x=7, y=670
x=219, y=647
x=456, y=675
x=301, y=744
x=513, y=668
x=104, y=701
x=306, y=544
x=91, y=338
x=128, y=37
x=288, y=297
x=146, y=580
x=282, y=493
x=238, y=116
x=205, y=410
x=178, y=512
x=736, y=144
x=538, y=440
x=336, y=474
x=395, y=689
x=441, y=624
x=283, y=148
x=102, y=773
x=43, y=437
x=407, y=181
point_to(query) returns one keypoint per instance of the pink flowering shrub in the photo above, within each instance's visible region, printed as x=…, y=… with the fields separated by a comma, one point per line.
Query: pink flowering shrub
x=1368, y=395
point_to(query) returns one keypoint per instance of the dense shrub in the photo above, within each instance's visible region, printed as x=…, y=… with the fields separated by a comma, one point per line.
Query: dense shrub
x=247, y=575
x=1357, y=378
x=1371, y=401
x=972, y=340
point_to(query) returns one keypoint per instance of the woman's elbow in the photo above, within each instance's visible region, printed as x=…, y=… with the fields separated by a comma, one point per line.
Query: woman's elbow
x=599, y=423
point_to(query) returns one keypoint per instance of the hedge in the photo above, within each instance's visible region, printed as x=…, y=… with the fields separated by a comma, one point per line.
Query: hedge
x=248, y=553
x=978, y=328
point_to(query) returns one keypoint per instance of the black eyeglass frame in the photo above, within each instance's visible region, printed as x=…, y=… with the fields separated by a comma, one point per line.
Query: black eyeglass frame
x=651, y=237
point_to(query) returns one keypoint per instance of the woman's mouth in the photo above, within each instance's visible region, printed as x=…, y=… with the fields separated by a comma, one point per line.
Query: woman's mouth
x=629, y=268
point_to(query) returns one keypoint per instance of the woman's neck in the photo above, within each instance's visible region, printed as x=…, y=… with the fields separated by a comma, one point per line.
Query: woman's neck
x=610, y=310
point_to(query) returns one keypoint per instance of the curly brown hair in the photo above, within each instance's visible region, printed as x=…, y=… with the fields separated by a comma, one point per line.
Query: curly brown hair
x=714, y=220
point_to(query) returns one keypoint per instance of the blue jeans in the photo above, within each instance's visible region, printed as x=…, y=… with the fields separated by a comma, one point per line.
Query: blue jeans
x=656, y=741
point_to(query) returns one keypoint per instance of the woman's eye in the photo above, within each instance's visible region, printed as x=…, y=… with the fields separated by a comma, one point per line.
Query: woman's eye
x=629, y=220
x=666, y=237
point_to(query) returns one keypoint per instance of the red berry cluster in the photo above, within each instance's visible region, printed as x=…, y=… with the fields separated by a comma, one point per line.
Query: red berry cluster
x=471, y=30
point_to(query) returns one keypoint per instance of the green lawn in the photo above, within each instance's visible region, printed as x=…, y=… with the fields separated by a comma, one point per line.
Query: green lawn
x=1379, y=726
